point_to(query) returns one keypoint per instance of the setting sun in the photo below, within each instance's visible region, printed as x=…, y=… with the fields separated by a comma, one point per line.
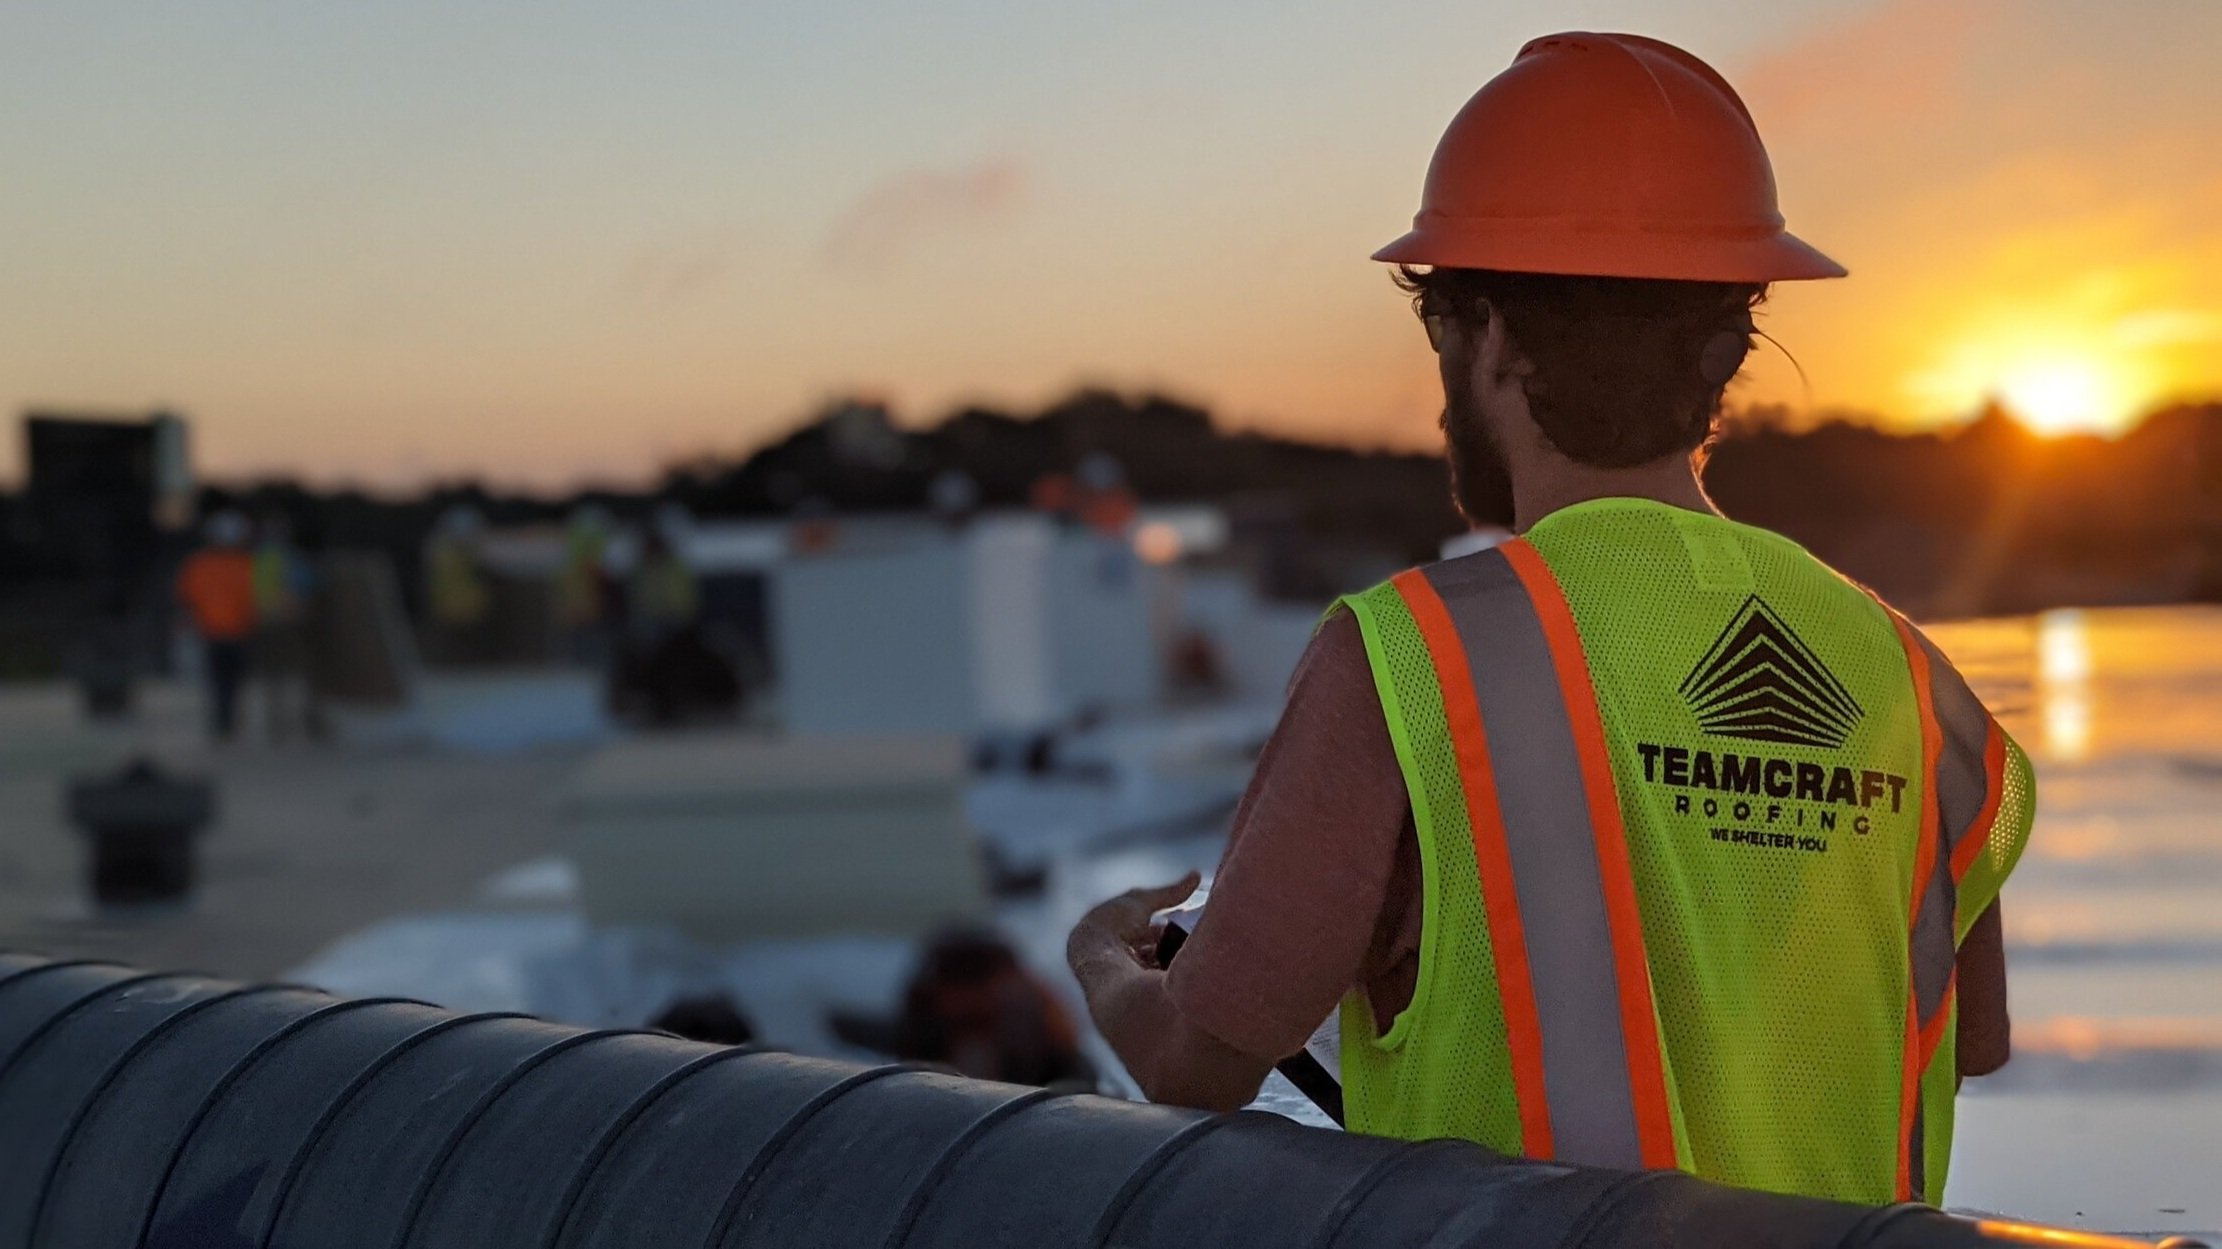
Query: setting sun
x=2064, y=396
x=2054, y=379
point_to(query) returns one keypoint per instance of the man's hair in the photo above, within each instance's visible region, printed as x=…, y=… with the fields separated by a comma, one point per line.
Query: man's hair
x=1626, y=370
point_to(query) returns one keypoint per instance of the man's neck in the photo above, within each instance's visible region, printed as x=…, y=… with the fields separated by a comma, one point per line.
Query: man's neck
x=1557, y=482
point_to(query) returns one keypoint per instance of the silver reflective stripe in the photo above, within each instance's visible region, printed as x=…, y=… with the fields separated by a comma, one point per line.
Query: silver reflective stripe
x=1963, y=774
x=1932, y=952
x=1960, y=790
x=1556, y=876
x=1933, y=948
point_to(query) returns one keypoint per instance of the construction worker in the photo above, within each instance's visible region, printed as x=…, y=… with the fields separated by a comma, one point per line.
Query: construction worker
x=458, y=599
x=584, y=588
x=1643, y=840
x=217, y=587
x=285, y=594
x=665, y=669
x=663, y=596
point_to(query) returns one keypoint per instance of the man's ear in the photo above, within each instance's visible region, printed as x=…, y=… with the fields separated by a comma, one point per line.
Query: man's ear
x=1497, y=359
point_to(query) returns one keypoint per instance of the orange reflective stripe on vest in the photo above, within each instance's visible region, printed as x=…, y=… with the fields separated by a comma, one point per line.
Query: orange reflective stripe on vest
x=1548, y=840
x=1971, y=768
x=1700, y=826
x=1963, y=762
x=1978, y=835
x=1639, y=1023
x=1924, y=916
x=1500, y=902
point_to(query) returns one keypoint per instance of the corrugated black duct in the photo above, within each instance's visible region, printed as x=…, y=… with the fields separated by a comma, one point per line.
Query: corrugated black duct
x=180, y=1112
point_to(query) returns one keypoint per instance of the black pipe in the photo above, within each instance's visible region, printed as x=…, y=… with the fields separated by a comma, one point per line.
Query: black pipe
x=181, y=1112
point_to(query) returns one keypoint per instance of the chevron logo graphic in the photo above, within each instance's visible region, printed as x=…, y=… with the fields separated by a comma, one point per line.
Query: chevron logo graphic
x=1762, y=683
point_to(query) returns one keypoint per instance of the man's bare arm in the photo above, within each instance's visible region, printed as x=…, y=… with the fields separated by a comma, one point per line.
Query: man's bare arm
x=1985, y=1032
x=1294, y=908
x=1175, y=1062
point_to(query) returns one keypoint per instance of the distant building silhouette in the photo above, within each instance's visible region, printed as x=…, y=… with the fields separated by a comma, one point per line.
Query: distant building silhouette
x=85, y=558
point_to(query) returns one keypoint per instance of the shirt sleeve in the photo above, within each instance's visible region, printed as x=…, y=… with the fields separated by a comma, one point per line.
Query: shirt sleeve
x=1985, y=1031
x=1305, y=880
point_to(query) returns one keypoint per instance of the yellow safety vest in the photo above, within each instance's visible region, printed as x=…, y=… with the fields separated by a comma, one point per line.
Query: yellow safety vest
x=1702, y=824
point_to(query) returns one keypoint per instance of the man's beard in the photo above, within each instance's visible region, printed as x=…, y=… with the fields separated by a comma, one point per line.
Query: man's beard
x=1480, y=484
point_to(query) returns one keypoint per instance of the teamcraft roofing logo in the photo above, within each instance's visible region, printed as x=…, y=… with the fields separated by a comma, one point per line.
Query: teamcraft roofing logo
x=1761, y=682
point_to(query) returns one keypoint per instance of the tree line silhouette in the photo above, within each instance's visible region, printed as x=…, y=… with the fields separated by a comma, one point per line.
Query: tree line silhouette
x=1984, y=518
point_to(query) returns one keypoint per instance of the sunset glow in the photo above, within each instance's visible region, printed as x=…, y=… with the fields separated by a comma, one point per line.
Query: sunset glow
x=529, y=272
x=2070, y=395
x=2059, y=382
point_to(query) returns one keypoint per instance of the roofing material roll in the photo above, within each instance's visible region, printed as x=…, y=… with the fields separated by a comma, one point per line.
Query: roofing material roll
x=176, y=1111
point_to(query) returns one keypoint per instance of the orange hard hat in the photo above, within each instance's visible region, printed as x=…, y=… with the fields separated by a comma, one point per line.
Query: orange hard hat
x=1610, y=156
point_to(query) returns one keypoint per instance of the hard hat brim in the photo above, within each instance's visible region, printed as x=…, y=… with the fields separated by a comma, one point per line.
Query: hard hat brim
x=1604, y=251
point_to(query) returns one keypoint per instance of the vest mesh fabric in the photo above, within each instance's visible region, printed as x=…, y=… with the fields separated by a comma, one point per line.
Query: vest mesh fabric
x=1775, y=927
x=1441, y=1069
x=2003, y=841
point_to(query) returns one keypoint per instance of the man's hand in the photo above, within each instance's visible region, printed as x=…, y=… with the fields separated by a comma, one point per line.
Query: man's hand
x=1113, y=952
x=1125, y=924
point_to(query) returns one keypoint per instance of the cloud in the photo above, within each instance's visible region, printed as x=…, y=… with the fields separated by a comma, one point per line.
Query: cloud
x=1897, y=59
x=673, y=272
x=895, y=217
x=2169, y=327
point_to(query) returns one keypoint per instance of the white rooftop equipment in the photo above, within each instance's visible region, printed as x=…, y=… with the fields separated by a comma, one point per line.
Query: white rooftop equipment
x=733, y=836
x=1010, y=623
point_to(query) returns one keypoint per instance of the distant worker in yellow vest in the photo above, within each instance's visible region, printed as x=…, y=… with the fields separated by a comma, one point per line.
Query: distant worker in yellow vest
x=583, y=588
x=285, y=596
x=458, y=600
x=1644, y=839
x=663, y=596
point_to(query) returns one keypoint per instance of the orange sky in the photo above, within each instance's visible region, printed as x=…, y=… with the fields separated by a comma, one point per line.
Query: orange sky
x=2029, y=199
x=548, y=242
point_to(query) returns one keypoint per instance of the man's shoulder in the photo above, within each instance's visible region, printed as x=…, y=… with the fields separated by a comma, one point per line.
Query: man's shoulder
x=1336, y=658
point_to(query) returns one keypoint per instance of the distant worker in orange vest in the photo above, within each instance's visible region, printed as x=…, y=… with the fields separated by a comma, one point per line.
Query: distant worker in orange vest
x=1643, y=839
x=217, y=587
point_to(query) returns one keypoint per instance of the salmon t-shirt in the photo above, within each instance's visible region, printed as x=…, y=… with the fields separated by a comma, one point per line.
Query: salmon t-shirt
x=1318, y=892
x=1319, y=889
